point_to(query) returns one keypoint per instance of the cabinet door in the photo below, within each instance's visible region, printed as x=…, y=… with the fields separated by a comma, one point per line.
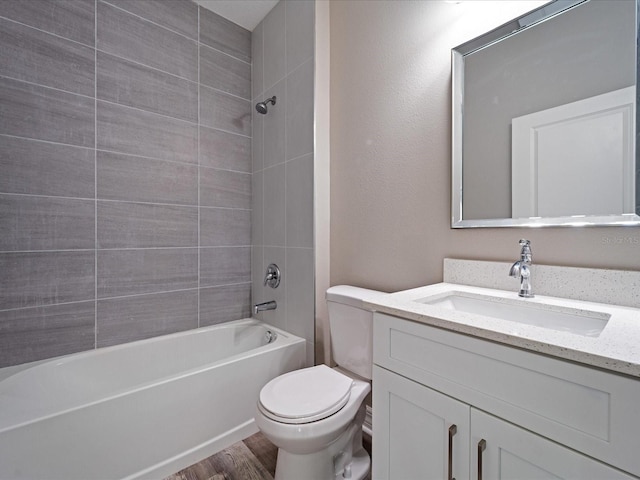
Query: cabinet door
x=512, y=453
x=412, y=425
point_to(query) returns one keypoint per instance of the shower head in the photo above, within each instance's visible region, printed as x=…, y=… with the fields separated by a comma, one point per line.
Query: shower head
x=261, y=107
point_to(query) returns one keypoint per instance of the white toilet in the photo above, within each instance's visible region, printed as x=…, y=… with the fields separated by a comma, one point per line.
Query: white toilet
x=315, y=415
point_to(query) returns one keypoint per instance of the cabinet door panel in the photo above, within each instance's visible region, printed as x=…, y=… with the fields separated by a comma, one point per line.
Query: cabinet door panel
x=513, y=453
x=411, y=431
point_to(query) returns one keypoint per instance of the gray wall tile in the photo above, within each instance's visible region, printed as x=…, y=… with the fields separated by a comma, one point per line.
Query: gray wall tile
x=274, y=124
x=31, y=334
x=44, y=278
x=223, y=188
x=136, y=225
x=153, y=129
x=131, y=37
x=282, y=219
x=224, y=35
x=225, y=150
x=139, y=179
x=132, y=272
x=46, y=114
x=257, y=276
x=34, y=56
x=224, y=227
x=42, y=168
x=225, y=112
x=139, y=317
x=224, y=265
x=178, y=15
x=277, y=317
x=300, y=20
x=127, y=130
x=226, y=73
x=274, y=61
x=257, y=202
x=224, y=304
x=73, y=19
x=257, y=61
x=46, y=223
x=257, y=140
x=128, y=83
x=299, y=185
x=274, y=227
x=300, y=302
x=300, y=111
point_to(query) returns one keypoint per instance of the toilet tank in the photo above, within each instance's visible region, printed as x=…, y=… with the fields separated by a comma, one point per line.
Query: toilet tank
x=351, y=328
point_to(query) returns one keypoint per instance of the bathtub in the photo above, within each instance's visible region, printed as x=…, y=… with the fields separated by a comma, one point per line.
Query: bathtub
x=140, y=410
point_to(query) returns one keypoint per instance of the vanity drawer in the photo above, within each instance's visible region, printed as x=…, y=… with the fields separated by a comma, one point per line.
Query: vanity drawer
x=591, y=410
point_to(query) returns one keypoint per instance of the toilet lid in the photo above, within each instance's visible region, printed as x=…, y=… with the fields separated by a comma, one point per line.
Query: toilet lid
x=306, y=395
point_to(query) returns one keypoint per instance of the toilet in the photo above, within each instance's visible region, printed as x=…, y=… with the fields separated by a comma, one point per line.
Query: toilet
x=315, y=415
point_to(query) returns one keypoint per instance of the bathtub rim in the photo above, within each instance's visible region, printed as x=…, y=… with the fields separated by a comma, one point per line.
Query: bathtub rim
x=283, y=340
x=11, y=370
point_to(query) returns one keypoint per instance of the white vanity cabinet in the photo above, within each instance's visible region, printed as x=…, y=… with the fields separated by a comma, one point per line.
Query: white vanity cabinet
x=516, y=414
x=420, y=432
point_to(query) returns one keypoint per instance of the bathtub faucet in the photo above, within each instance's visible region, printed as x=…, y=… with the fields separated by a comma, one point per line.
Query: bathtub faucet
x=259, y=307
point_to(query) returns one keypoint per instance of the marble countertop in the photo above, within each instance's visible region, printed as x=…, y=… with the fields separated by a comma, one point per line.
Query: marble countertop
x=616, y=348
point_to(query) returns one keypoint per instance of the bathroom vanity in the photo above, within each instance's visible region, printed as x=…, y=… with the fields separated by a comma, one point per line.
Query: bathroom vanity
x=464, y=391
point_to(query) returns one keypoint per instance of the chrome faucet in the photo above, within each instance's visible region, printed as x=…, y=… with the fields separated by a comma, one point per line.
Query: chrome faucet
x=523, y=268
x=260, y=307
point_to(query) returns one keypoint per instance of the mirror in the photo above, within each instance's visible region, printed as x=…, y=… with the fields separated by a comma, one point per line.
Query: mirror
x=544, y=119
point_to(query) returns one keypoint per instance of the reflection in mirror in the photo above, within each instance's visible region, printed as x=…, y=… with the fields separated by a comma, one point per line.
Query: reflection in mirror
x=544, y=123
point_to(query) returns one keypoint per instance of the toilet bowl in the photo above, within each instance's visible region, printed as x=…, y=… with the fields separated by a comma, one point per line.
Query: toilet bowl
x=315, y=415
x=322, y=435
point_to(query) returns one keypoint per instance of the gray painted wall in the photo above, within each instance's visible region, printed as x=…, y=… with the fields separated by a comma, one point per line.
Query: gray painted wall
x=391, y=153
x=125, y=185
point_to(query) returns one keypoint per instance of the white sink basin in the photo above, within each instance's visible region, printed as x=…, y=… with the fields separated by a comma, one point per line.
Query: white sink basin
x=564, y=319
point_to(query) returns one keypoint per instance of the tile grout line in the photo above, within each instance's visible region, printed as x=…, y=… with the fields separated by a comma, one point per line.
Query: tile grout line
x=195, y=40
x=131, y=107
x=286, y=242
x=95, y=173
x=128, y=154
x=116, y=249
x=117, y=200
x=262, y=123
x=132, y=295
x=94, y=46
x=147, y=20
x=18, y=22
x=198, y=156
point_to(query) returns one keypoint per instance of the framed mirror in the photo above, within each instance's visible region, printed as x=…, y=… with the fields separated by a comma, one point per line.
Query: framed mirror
x=544, y=119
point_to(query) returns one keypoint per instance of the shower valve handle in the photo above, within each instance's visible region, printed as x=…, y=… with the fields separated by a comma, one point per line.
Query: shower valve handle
x=272, y=277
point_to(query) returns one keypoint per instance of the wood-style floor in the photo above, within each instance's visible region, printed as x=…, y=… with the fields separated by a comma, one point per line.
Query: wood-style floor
x=254, y=458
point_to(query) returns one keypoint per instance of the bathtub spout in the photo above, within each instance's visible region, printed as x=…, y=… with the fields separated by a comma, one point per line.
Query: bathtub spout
x=259, y=307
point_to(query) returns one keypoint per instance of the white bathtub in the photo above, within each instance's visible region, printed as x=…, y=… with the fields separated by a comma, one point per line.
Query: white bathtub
x=141, y=410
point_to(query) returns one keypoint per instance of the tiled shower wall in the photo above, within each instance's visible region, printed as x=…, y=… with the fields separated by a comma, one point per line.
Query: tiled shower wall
x=283, y=165
x=125, y=173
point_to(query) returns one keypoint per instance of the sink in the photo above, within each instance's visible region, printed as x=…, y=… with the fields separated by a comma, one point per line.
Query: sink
x=564, y=319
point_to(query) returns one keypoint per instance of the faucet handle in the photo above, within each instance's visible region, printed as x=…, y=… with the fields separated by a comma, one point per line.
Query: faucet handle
x=272, y=276
x=525, y=253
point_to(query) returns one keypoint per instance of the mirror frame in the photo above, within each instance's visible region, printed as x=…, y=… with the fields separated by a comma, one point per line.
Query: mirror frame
x=457, y=73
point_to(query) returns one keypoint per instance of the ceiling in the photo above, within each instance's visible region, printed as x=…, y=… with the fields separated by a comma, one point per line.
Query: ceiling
x=246, y=13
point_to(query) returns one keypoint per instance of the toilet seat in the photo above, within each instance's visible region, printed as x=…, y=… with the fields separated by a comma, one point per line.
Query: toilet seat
x=306, y=395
